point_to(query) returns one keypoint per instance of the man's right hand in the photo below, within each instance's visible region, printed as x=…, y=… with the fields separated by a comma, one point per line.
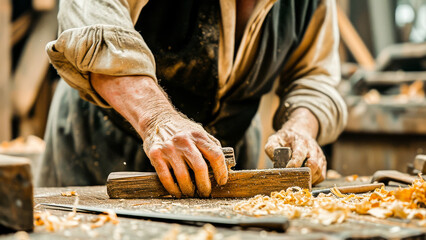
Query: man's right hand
x=178, y=143
x=171, y=141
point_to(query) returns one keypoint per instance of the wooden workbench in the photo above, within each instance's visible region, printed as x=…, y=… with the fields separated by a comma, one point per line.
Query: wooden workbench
x=362, y=227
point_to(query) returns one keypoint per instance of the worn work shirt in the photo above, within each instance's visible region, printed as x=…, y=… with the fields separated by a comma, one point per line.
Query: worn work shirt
x=197, y=63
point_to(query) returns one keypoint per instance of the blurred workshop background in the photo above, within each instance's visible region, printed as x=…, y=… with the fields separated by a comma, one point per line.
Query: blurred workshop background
x=383, y=59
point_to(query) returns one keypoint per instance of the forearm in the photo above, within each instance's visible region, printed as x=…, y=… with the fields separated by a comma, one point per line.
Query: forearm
x=303, y=120
x=171, y=141
x=137, y=98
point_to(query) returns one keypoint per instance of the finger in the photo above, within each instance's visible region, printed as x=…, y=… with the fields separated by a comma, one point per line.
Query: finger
x=214, y=155
x=163, y=173
x=300, y=152
x=270, y=146
x=321, y=168
x=198, y=165
x=215, y=140
x=313, y=159
x=180, y=171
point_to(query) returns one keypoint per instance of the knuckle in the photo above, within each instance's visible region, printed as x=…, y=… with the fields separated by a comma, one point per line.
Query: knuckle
x=155, y=152
x=216, y=154
x=199, y=134
x=181, y=138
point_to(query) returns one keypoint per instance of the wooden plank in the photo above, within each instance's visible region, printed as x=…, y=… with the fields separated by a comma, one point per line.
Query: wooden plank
x=34, y=63
x=16, y=191
x=388, y=116
x=5, y=64
x=35, y=123
x=354, y=42
x=374, y=79
x=245, y=183
x=20, y=27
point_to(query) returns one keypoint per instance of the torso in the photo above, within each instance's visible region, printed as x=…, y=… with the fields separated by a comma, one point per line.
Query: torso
x=245, y=9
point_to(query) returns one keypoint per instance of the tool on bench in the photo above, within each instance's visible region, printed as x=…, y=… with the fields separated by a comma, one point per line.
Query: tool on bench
x=279, y=224
x=418, y=166
x=350, y=189
x=16, y=194
x=241, y=183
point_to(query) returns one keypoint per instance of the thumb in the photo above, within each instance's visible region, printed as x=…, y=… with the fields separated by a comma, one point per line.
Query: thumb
x=272, y=143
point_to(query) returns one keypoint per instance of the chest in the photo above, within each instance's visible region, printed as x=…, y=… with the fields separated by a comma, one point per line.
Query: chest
x=244, y=9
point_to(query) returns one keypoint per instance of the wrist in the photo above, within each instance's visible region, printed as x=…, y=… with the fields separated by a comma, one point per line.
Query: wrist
x=302, y=120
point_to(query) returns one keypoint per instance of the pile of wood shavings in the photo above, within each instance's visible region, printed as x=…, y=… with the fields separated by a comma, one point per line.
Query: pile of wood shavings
x=405, y=203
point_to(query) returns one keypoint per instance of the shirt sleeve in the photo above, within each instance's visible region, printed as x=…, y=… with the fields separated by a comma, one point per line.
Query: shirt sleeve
x=98, y=36
x=311, y=75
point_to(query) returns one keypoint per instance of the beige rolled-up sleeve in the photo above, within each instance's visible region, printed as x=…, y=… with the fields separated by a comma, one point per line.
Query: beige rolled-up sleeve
x=98, y=36
x=311, y=75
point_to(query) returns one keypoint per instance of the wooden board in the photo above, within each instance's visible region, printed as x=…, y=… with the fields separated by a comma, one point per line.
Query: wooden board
x=5, y=63
x=33, y=64
x=354, y=42
x=244, y=183
x=16, y=191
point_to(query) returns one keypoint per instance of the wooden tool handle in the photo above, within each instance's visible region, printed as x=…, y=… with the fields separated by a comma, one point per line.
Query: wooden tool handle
x=350, y=189
x=360, y=188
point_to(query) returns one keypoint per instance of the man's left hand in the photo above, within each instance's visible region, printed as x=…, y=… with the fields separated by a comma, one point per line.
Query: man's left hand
x=299, y=134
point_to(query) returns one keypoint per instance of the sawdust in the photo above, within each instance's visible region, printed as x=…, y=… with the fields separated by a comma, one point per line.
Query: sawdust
x=30, y=144
x=207, y=232
x=404, y=203
x=69, y=193
x=356, y=178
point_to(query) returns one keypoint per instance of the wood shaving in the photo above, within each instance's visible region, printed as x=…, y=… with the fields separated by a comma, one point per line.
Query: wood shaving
x=22, y=145
x=54, y=223
x=69, y=194
x=372, y=97
x=404, y=203
x=356, y=178
x=333, y=174
x=109, y=216
x=22, y=235
x=412, y=92
x=351, y=178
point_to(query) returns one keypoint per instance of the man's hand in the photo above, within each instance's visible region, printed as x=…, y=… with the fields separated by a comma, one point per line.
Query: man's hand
x=178, y=143
x=171, y=141
x=299, y=133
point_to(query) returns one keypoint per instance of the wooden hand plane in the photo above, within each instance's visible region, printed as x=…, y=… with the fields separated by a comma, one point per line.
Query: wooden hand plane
x=241, y=183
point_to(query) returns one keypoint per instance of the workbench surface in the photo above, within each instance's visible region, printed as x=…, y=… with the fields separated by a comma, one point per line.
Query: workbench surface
x=362, y=227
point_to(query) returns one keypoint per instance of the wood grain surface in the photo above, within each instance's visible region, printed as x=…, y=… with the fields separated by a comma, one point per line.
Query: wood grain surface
x=16, y=193
x=244, y=183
